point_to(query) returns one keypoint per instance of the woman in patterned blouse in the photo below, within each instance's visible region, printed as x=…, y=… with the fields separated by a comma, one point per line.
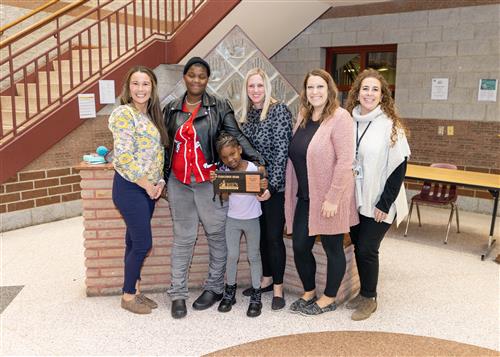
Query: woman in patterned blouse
x=139, y=137
x=268, y=126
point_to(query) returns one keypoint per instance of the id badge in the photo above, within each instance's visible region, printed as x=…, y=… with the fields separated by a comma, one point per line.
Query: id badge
x=357, y=170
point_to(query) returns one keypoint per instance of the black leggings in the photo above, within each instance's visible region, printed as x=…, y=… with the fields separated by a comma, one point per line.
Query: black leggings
x=304, y=258
x=366, y=237
x=272, y=247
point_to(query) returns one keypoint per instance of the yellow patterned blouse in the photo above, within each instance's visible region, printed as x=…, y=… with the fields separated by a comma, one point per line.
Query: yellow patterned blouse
x=138, y=150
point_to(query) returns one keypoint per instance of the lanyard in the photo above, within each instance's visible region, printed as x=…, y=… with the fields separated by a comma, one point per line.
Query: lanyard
x=358, y=141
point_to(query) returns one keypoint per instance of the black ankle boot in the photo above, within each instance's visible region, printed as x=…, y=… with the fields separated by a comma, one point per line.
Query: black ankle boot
x=255, y=306
x=229, y=299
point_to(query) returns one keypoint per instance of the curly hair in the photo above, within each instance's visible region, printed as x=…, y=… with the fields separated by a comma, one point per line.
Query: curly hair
x=225, y=139
x=332, y=103
x=386, y=101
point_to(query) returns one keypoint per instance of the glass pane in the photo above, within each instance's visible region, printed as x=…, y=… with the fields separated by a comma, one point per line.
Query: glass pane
x=342, y=97
x=385, y=63
x=345, y=68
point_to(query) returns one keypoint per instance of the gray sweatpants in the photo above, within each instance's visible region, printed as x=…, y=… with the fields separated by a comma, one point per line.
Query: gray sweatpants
x=251, y=229
x=190, y=204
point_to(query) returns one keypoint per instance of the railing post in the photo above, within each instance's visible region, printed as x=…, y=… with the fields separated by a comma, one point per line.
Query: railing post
x=99, y=35
x=135, y=24
x=12, y=97
x=59, y=74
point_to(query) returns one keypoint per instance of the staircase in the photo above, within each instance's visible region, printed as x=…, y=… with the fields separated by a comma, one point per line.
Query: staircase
x=40, y=81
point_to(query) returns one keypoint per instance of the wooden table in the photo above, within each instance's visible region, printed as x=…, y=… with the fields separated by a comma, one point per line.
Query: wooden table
x=480, y=180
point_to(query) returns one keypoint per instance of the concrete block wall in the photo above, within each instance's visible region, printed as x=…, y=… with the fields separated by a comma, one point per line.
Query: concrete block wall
x=458, y=43
x=462, y=44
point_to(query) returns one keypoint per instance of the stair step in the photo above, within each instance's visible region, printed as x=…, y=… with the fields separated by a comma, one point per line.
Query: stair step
x=76, y=66
x=20, y=108
x=95, y=52
x=54, y=90
x=7, y=116
x=54, y=77
x=6, y=102
x=8, y=123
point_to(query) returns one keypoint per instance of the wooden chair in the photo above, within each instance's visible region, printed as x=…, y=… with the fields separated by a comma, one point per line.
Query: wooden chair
x=436, y=194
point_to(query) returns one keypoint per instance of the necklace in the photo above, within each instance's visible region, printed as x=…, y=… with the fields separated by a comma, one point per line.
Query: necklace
x=189, y=103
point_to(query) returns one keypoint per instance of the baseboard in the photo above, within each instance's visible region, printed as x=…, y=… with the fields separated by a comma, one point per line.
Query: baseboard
x=38, y=215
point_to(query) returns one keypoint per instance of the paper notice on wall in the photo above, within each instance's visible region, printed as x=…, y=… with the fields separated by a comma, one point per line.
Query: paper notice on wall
x=86, y=105
x=487, y=90
x=107, y=92
x=439, y=89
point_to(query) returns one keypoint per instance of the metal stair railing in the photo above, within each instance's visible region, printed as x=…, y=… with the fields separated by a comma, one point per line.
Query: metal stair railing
x=41, y=72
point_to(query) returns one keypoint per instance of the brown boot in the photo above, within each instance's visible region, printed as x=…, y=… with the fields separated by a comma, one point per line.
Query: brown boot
x=143, y=299
x=364, y=310
x=354, y=303
x=135, y=306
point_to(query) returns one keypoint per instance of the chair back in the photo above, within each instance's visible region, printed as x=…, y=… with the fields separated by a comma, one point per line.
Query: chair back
x=439, y=192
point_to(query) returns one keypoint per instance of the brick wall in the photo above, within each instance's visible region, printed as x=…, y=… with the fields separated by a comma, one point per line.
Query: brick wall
x=474, y=145
x=30, y=189
x=48, y=189
x=104, y=246
x=104, y=241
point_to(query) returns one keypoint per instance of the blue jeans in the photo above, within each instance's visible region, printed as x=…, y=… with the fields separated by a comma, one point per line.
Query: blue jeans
x=137, y=209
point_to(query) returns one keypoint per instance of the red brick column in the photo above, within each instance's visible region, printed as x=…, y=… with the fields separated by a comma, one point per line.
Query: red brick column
x=105, y=243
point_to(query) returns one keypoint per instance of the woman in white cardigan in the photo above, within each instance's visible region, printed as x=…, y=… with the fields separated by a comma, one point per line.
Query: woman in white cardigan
x=381, y=154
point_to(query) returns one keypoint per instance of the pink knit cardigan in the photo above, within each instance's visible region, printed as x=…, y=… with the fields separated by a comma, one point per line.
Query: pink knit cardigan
x=329, y=171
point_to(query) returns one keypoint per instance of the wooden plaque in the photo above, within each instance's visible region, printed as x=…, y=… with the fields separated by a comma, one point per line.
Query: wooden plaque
x=237, y=181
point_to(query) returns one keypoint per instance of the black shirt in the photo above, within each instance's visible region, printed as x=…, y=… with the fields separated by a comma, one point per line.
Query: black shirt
x=298, y=155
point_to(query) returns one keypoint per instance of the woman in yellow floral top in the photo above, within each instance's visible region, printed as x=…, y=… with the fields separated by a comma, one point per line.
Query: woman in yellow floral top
x=139, y=137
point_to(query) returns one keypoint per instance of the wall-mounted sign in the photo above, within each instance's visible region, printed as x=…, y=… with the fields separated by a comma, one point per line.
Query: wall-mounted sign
x=487, y=90
x=86, y=105
x=439, y=89
x=107, y=92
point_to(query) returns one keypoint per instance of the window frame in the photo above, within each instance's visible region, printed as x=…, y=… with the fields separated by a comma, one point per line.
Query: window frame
x=363, y=51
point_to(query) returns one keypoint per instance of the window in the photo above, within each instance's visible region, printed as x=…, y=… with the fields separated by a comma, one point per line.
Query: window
x=345, y=63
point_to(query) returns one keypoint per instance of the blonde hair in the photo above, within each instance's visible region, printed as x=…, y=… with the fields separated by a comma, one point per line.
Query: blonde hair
x=332, y=103
x=154, y=109
x=246, y=103
x=386, y=102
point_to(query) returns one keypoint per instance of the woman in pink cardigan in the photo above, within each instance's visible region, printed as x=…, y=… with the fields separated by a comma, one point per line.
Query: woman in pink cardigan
x=319, y=192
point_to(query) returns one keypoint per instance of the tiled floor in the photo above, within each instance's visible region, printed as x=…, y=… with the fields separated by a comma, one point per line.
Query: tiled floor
x=425, y=289
x=7, y=294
